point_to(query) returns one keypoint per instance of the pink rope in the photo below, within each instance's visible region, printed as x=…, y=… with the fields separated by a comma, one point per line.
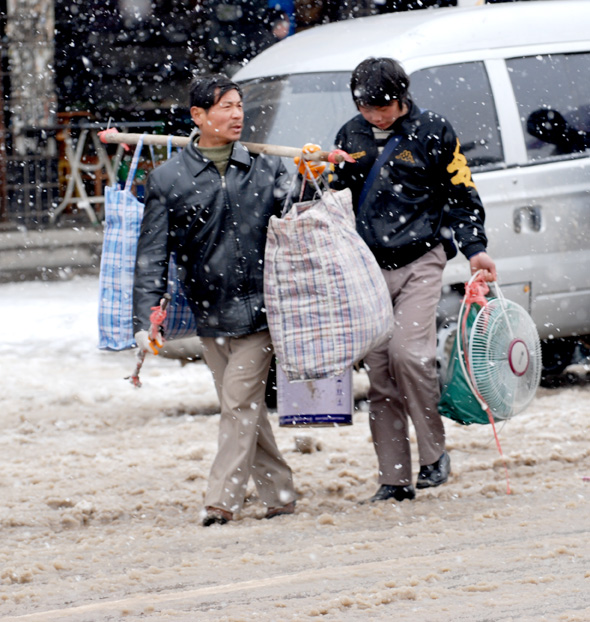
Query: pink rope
x=475, y=293
x=157, y=317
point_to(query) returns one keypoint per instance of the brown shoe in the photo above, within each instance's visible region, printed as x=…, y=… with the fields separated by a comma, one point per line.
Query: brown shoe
x=284, y=509
x=216, y=515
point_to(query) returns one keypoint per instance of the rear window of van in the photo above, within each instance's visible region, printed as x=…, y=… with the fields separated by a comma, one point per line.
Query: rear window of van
x=554, y=88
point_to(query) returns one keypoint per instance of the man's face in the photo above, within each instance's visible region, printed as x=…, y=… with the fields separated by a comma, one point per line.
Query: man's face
x=382, y=117
x=222, y=123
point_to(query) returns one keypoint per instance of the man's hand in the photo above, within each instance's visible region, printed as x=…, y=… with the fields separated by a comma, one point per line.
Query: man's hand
x=146, y=343
x=310, y=170
x=482, y=261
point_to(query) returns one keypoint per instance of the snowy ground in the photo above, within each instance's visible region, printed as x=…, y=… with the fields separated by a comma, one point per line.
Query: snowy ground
x=101, y=489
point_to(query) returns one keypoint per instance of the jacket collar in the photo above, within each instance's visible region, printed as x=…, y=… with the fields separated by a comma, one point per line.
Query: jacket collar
x=197, y=163
x=401, y=126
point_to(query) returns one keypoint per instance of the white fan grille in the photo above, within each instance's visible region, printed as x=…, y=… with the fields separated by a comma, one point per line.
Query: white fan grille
x=505, y=357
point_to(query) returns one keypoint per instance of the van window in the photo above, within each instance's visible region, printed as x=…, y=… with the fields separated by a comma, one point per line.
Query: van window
x=462, y=94
x=297, y=109
x=553, y=96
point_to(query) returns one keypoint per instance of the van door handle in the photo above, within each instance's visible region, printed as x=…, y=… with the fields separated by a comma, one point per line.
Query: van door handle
x=527, y=219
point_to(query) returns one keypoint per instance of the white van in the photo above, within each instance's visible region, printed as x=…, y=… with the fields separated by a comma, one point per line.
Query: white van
x=514, y=80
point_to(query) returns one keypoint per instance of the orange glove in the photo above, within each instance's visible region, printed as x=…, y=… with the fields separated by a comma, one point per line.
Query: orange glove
x=310, y=170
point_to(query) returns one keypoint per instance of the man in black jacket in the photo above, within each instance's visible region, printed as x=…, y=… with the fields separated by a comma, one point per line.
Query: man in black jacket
x=410, y=190
x=210, y=205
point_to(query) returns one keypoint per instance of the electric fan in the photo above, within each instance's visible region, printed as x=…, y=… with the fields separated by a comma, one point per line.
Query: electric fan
x=502, y=357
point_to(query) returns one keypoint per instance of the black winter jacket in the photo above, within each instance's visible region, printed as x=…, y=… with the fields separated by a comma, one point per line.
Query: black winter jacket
x=422, y=192
x=217, y=228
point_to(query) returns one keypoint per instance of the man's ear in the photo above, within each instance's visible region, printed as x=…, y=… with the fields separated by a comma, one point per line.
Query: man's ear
x=197, y=115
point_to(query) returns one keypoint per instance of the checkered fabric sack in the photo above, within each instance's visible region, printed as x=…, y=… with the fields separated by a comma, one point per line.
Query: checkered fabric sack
x=123, y=215
x=326, y=299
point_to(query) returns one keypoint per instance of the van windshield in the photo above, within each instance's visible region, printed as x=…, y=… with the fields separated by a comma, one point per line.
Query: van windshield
x=297, y=109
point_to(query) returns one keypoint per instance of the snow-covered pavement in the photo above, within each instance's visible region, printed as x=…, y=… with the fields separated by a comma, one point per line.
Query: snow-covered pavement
x=101, y=489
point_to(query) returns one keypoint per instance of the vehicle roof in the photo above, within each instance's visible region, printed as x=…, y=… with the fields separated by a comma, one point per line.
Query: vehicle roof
x=340, y=46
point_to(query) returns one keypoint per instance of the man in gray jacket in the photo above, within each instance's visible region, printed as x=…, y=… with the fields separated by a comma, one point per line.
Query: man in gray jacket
x=210, y=205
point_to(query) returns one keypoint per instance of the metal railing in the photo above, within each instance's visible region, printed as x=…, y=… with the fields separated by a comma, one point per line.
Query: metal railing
x=30, y=188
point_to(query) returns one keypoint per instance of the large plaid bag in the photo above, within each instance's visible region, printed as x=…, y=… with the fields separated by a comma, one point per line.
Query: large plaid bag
x=123, y=215
x=326, y=299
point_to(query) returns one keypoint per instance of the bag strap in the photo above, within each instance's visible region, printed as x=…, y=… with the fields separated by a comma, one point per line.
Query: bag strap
x=289, y=203
x=134, y=163
x=390, y=145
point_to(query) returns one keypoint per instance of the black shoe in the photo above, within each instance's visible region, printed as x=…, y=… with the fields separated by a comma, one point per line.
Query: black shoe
x=435, y=474
x=399, y=493
x=281, y=511
x=216, y=515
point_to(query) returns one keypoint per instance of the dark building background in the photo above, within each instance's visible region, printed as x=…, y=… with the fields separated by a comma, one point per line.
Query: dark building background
x=116, y=57
x=64, y=63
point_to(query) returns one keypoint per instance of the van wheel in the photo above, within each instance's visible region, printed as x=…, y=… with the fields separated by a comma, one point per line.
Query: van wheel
x=446, y=337
x=556, y=356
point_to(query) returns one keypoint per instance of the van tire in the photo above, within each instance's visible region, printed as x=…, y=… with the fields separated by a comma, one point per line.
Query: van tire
x=446, y=336
x=557, y=354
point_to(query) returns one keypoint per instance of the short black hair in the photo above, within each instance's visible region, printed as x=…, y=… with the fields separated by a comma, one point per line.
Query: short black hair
x=378, y=82
x=206, y=90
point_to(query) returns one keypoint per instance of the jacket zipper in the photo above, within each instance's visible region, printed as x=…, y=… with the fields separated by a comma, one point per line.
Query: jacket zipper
x=240, y=253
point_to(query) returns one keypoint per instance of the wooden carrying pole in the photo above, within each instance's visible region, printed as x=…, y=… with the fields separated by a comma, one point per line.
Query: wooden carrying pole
x=181, y=141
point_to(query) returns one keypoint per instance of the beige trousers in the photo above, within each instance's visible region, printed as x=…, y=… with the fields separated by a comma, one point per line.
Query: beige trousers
x=246, y=443
x=402, y=372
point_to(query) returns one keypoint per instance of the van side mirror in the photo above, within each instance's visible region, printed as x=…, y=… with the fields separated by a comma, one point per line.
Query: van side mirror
x=550, y=126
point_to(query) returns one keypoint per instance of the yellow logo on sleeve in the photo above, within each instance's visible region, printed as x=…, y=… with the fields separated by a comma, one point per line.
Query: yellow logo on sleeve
x=460, y=168
x=406, y=156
